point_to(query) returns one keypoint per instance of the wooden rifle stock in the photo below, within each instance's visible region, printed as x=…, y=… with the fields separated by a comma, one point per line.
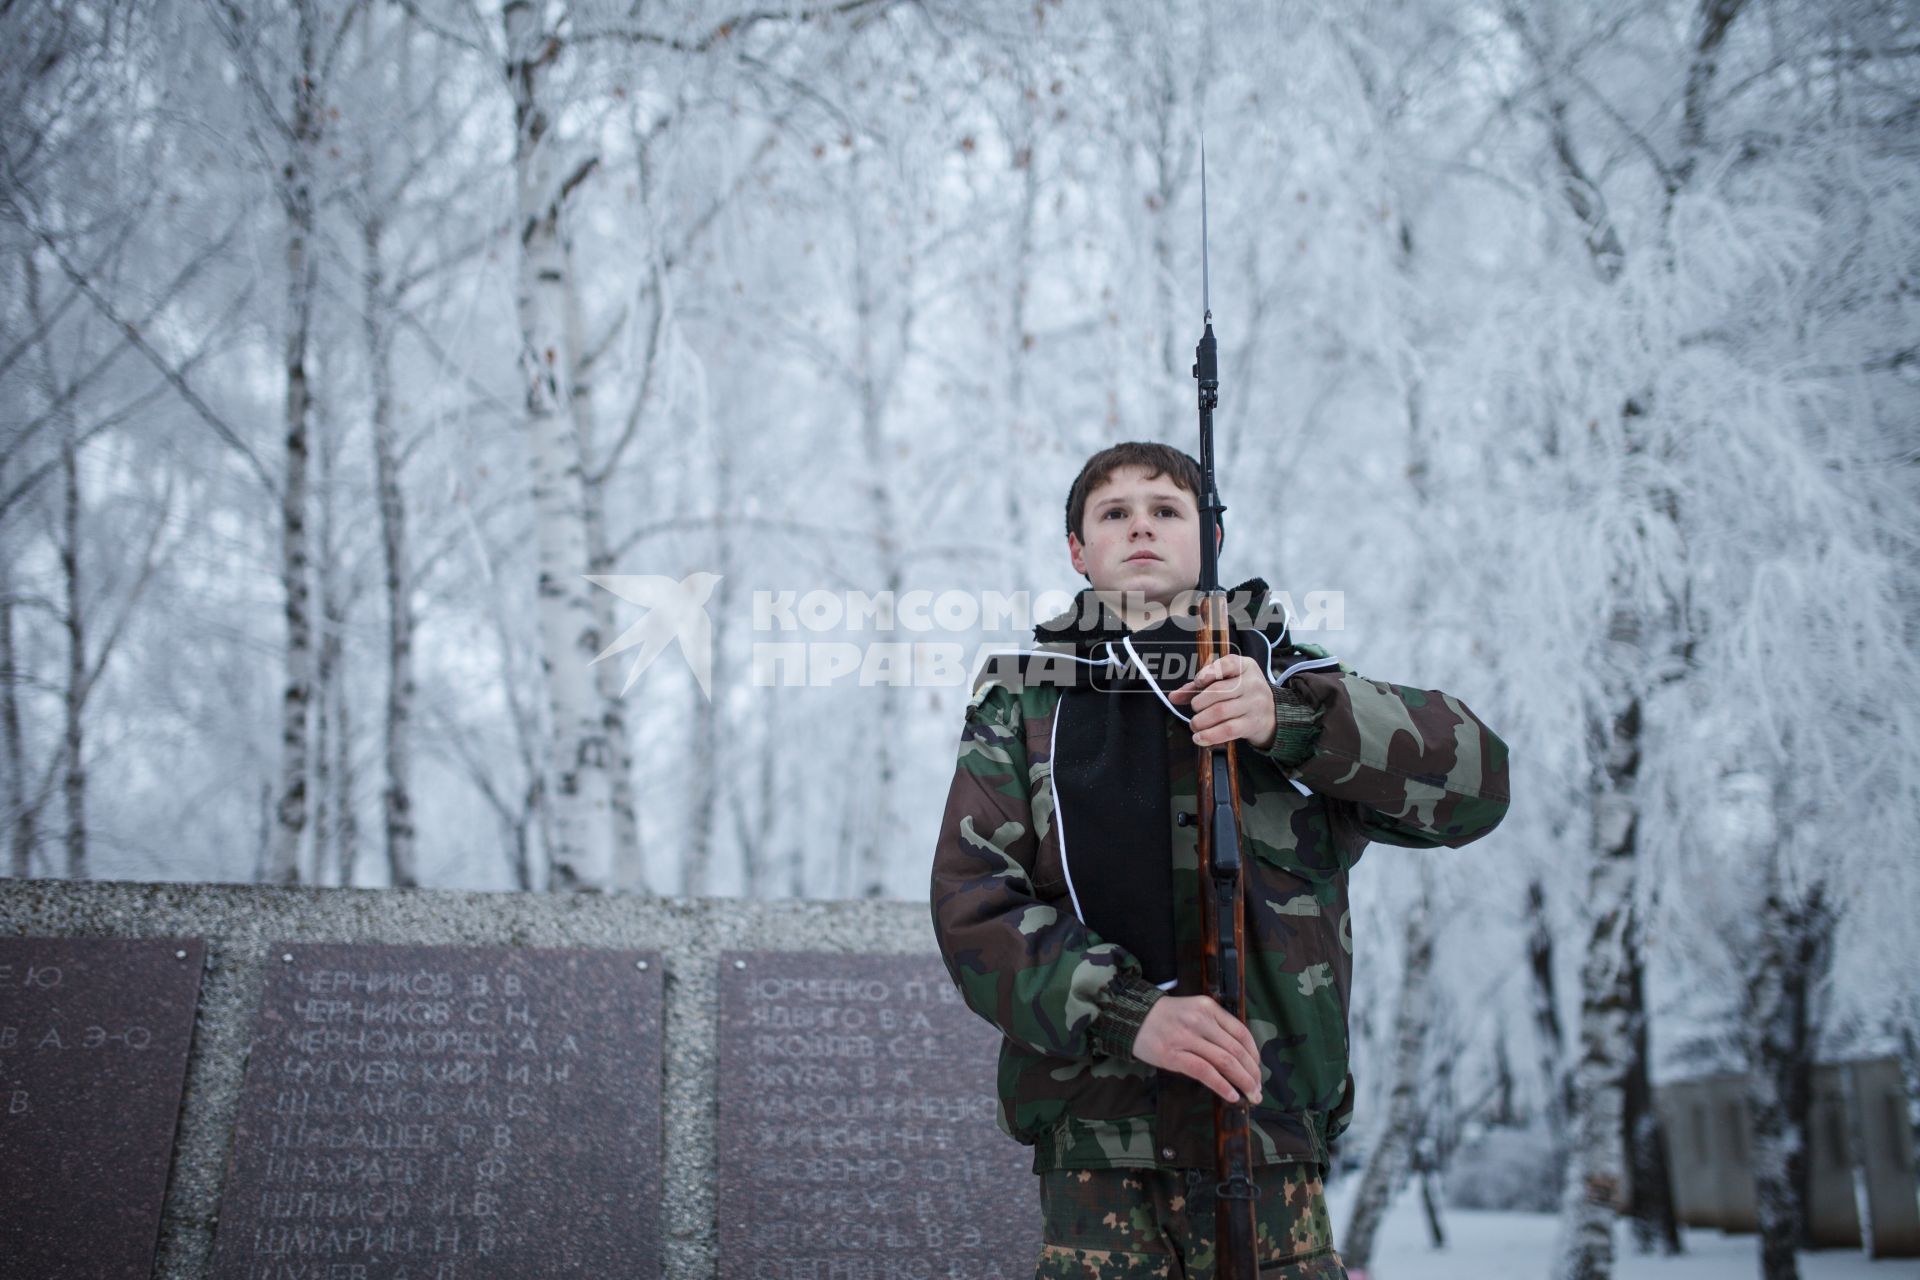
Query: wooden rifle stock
x=1223, y=930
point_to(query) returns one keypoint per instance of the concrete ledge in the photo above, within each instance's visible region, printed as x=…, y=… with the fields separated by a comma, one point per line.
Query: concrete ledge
x=242, y=922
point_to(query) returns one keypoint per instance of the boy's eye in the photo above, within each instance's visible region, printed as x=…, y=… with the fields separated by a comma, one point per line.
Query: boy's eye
x=1169, y=511
x=1111, y=512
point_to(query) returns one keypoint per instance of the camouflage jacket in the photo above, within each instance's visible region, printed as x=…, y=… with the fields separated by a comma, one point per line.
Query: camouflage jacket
x=1376, y=761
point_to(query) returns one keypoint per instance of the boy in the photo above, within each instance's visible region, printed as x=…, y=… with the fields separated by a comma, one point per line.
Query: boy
x=1066, y=881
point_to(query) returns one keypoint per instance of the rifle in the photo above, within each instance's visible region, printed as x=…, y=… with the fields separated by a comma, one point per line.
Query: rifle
x=1222, y=924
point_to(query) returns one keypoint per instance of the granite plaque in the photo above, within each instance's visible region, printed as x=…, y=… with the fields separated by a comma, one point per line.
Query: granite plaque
x=448, y=1113
x=857, y=1137
x=93, y=1056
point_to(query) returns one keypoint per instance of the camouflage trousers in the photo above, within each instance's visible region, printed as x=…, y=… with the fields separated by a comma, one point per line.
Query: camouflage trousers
x=1136, y=1224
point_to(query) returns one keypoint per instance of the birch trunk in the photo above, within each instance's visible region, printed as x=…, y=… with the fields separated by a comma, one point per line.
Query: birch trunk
x=1655, y=1225
x=73, y=772
x=1020, y=430
x=397, y=796
x=68, y=765
x=756, y=841
x=579, y=754
x=626, y=871
x=346, y=822
x=1549, y=1041
x=1430, y=1196
x=1794, y=943
x=1394, y=1152
x=327, y=802
x=1169, y=171
x=709, y=712
x=1503, y=1106
x=1387, y=1162
x=24, y=828
x=339, y=848
x=334, y=828
x=296, y=194
x=875, y=384
x=532, y=814
x=1594, y=1164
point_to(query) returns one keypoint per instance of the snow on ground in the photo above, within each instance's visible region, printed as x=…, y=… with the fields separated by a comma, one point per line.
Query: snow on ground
x=1486, y=1245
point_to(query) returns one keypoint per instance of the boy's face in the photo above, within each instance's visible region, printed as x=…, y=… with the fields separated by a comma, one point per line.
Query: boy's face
x=1142, y=534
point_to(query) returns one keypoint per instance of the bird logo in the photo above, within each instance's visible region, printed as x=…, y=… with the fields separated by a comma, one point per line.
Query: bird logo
x=675, y=611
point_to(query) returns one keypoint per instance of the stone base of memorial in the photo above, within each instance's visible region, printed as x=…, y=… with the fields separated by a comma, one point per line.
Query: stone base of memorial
x=263, y=1161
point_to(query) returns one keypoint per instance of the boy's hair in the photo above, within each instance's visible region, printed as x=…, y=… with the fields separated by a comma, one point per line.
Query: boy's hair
x=1158, y=459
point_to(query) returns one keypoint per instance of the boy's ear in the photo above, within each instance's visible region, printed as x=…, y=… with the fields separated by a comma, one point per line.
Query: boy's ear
x=1077, y=554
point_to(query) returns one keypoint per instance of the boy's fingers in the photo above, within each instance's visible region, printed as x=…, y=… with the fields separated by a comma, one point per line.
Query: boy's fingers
x=1238, y=1074
x=1225, y=1042
x=1226, y=1029
x=1200, y=1069
x=1219, y=669
x=1216, y=1033
x=1227, y=731
x=1235, y=1032
x=1227, y=1066
x=1219, y=697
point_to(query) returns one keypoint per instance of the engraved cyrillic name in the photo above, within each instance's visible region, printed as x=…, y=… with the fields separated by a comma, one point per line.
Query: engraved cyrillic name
x=857, y=1131
x=447, y=1114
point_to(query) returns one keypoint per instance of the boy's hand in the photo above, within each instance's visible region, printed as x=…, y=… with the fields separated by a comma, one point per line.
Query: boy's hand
x=1196, y=1037
x=1231, y=699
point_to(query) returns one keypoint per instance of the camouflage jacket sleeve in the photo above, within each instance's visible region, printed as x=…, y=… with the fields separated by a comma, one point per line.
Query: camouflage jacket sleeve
x=1032, y=970
x=1419, y=767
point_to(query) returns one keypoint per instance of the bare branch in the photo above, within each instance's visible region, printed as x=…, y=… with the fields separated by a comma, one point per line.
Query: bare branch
x=406, y=283
x=578, y=176
x=1838, y=57
x=1716, y=16
x=480, y=391
x=150, y=560
x=173, y=375
x=243, y=59
x=734, y=519
x=507, y=500
x=45, y=326
x=166, y=296
x=1668, y=178
x=598, y=348
x=724, y=30
x=482, y=45
x=354, y=7
x=109, y=421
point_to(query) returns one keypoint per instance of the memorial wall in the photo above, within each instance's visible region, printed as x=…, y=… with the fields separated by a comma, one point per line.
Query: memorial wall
x=284, y=1084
